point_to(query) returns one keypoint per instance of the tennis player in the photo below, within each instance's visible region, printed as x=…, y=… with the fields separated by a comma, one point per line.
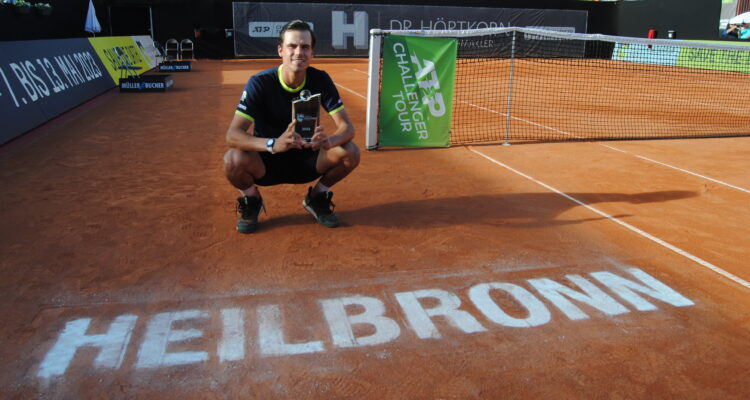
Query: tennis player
x=273, y=153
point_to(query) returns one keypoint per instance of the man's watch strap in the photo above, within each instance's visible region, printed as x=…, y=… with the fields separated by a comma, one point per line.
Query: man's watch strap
x=269, y=145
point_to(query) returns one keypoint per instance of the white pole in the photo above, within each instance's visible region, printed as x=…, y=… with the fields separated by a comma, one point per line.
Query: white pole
x=373, y=90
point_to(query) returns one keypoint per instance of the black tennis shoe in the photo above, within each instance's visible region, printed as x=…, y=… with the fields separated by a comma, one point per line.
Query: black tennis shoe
x=249, y=209
x=321, y=207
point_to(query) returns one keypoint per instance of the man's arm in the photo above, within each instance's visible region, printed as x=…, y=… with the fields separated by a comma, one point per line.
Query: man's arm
x=239, y=137
x=344, y=132
x=344, y=129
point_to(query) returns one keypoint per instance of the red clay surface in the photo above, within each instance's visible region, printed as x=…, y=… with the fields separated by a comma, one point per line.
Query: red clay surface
x=122, y=213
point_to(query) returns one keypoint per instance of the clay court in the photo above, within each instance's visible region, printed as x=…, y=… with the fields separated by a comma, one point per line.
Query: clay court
x=537, y=270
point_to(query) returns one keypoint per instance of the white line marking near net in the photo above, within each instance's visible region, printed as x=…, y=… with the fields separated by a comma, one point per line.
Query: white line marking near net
x=622, y=223
x=360, y=71
x=351, y=91
x=614, y=148
x=523, y=120
x=668, y=101
x=680, y=169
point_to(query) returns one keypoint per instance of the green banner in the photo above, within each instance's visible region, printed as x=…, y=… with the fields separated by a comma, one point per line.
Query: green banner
x=416, y=96
x=721, y=60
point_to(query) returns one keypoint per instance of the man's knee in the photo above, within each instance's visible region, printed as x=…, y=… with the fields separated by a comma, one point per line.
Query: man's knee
x=238, y=162
x=351, y=155
x=233, y=161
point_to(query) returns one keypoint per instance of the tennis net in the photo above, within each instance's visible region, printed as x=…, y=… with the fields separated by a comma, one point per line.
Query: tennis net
x=524, y=84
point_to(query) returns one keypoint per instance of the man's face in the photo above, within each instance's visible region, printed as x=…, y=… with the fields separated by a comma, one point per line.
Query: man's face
x=296, y=51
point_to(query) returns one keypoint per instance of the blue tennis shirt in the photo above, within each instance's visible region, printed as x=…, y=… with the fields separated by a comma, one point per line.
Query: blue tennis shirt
x=267, y=100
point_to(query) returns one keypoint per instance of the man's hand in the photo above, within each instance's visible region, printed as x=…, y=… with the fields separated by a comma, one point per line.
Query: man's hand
x=320, y=139
x=288, y=140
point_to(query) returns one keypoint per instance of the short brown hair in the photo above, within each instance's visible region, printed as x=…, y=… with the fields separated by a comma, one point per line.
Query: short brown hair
x=296, y=25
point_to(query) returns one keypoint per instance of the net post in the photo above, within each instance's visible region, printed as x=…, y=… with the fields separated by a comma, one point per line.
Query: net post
x=510, y=88
x=373, y=90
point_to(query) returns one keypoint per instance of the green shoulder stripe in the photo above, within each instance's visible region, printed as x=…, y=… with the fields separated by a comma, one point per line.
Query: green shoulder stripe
x=335, y=110
x=243, y=115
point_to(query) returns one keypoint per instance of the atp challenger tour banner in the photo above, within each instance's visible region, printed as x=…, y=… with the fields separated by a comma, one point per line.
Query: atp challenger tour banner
x=344, y=29
x=417, y=93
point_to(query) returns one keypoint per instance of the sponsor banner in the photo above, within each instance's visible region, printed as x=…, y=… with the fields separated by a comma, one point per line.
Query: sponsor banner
x=689, y=57
x=146, y=46
x=146, y=83
x=715, y=59
x=645, y=54
x=269, y=29
x=175, y=66
x=417, y=93
x=343, y=29
x=119, y=51
x=41, y=79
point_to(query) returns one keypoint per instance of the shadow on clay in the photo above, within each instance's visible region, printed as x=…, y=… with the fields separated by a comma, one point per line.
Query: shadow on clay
x=527, y=210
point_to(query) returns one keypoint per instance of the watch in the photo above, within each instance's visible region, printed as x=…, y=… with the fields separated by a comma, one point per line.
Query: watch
x=269, y=145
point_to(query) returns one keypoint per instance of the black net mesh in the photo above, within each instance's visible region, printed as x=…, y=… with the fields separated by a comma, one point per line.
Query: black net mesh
x=524, y=85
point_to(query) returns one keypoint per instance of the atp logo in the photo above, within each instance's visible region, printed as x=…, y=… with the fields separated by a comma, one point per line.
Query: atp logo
x=431, y=97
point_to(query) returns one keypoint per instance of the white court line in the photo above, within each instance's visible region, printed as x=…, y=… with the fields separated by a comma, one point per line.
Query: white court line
x=669, y=101
x=679, y=169
x=361, y=72
x=524, y=120
x=625, y=224
x=351, y=91
x=616, y=149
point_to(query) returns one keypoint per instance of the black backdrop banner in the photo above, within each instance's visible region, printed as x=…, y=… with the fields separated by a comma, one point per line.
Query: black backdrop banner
x=40, y=79
x=344, y=29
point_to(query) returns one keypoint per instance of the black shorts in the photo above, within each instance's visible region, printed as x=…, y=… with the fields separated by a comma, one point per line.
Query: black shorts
x=293, y=166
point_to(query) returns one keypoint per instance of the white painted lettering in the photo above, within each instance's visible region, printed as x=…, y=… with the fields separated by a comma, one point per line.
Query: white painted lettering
x=480, y=296
x=353, y=321
x=232, y=344
x=341, y=323
x=159, y=334
x=626, y=289
x=592, y=296
x=112, y=345
x=448, y=303
x=271, y=335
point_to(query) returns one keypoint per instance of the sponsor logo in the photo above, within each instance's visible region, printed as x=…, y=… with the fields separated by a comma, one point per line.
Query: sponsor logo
x=341, y=30
x=267, y=29
x=145, y=85
x=418, y=76
x=173, y=67
x=646, y=54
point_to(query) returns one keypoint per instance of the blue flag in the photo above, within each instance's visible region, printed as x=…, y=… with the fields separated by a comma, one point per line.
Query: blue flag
x=92, y=23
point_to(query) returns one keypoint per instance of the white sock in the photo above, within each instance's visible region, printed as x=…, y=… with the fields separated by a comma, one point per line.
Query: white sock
x=320, y=188
x=252, y=191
